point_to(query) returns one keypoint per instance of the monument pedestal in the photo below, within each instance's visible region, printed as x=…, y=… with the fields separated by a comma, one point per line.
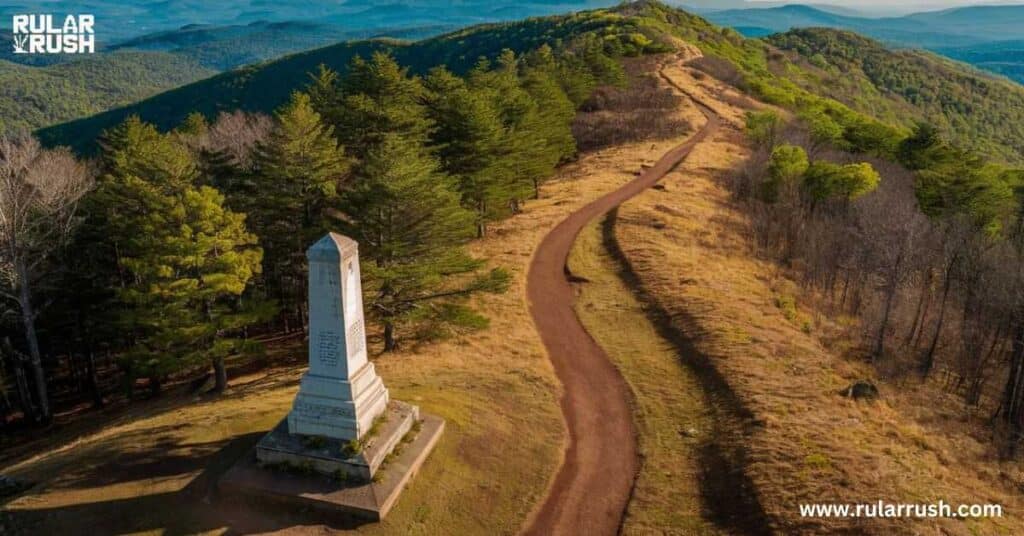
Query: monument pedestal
x=370, y=500
x=332, y=407
x=336, y=458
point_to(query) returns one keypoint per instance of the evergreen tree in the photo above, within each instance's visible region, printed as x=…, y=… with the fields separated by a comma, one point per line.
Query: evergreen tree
x=965, y=186
x=378, y=99
x=545, y=137
x=194, y=125
x=472, y=143
x=191, y=259
x=822, y=129
x=182, y=259
x=408, y=220
x=825, y=180
x=922, y=149
x=786, y=167
x=300, y=169
x=325, y=94
x=764, y=128
x=137, y=148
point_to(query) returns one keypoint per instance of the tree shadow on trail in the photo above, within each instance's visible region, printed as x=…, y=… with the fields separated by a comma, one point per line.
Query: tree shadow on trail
x=196, y=508
x=728, y=495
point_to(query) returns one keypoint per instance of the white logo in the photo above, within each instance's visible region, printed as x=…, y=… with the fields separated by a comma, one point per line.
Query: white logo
x=37, y=34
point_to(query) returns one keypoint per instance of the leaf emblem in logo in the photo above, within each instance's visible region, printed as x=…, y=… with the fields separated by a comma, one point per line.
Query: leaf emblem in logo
x=19, y=43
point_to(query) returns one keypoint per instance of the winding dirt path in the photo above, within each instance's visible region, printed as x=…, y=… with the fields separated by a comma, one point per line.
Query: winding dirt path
x=593, y=485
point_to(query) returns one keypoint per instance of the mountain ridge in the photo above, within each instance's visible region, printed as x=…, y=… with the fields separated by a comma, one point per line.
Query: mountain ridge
x=976, y=34
x=265, y=86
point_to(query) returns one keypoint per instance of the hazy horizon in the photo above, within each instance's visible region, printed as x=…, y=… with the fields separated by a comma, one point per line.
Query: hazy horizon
x=883, y=6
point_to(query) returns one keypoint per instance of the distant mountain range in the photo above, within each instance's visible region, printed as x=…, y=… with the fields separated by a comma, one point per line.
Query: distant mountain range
x=37, y=90
x=146, y=46
x=151, y=46
x=120, y=20
x=899, y=87
x=989, y=37
x=227, y=47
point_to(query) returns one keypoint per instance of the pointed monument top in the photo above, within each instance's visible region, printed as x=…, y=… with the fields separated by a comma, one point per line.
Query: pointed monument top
x=332, y=246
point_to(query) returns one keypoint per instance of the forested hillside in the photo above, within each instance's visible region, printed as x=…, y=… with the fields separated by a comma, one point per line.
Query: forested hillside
x=31, y=97
x=40, y=90
x=987, y=37
x=231, y=34
x=226, y=47
x=902, y=86
x=264, y=87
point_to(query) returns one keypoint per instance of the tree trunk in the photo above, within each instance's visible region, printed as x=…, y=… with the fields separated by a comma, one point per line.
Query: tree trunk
x=922, y=310
x=220, y=375
x=28, y=318
x=24, y=394
x=1010, y=408
x=94, y=382
x=846, y=290
x=880, y=342
x=389, y=337
x=481, y=225
x=929, y=358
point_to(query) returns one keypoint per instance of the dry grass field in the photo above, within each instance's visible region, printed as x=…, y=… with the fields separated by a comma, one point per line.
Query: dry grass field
x=669, y=406
x=766, y=351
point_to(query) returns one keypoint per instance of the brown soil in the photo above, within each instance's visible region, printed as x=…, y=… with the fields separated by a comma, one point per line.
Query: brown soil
x=592, y=488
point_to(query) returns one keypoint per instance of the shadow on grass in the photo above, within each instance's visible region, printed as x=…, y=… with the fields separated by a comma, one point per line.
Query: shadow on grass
x=728, y=495
x=195, y=508
x=79, y=427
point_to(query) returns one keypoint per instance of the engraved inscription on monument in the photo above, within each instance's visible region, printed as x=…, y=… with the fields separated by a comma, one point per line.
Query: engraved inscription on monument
x=356, y=338
x=327, y=345
x=314, y=411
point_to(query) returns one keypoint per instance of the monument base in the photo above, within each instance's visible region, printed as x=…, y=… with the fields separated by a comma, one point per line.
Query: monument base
x=302, y=484
x=338, y=458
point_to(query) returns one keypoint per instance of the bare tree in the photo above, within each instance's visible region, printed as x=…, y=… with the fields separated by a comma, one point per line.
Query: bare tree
x=892, y=230
x=236, y=135
x=39, y=192
x=956, y=240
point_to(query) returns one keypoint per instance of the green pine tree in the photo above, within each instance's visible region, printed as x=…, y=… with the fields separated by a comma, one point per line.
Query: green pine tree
x=183, y=261
x=378, y=99
x=471, y=142
x=301, y=167
x=545, y=134
x=411, y=228
x=137, y=148
x=190, y=259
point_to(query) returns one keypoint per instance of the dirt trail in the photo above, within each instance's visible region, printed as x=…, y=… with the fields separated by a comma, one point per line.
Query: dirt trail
x=593, y=485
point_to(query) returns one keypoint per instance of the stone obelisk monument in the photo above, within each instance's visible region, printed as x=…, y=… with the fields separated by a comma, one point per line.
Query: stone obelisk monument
x=341, y=394
x=330, y=451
